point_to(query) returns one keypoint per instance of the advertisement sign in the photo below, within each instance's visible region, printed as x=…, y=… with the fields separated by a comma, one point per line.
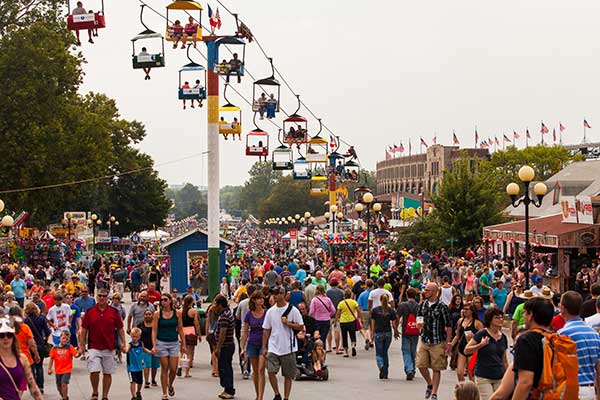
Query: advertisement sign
x=583, y=205
x=77, y=217
x=568, y=209
x=293, y=238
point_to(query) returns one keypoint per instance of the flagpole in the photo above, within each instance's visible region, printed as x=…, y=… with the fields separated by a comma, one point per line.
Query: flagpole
x=476, y=146
x=584, y=130
x=542, y=132
x=526, y=137
x=503, y=142
x=409, y=148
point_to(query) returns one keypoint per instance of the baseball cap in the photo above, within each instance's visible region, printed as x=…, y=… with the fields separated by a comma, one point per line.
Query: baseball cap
x=6, y=326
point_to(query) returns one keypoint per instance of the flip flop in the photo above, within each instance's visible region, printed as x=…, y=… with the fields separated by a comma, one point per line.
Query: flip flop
x=171, y=391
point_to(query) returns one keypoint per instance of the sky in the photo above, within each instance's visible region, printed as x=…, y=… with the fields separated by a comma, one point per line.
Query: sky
x=377, y=73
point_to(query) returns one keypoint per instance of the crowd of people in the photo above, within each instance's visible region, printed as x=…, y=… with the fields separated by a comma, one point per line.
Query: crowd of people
x=289, y=312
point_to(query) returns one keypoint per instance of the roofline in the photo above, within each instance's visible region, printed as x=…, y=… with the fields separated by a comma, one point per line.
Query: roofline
x=189, y=233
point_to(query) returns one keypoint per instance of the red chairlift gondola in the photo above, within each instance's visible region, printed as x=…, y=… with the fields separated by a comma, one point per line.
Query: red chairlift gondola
x=257, y=142
x=295, y=128
x=81, y=18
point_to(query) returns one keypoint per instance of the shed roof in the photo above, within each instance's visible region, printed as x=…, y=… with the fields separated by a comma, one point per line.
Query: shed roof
x=551, y=225
x=189, y=233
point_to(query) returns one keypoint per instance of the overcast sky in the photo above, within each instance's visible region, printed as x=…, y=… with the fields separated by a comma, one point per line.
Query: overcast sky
x=378, y=73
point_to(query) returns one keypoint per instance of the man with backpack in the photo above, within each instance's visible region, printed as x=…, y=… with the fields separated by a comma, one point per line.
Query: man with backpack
x=407, y=312
x=279, y=344
x=586, y=339
x=545, y=363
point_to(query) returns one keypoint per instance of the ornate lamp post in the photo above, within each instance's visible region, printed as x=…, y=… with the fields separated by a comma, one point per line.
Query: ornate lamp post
x=359, y=208
x=92, y=222
x=111, y=221
x=526, y=175
x=6, y=221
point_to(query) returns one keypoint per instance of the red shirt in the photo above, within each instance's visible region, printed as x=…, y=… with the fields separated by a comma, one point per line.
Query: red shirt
x=557, y=322
x=153, y=296
x=101, y=326
x=49, y=300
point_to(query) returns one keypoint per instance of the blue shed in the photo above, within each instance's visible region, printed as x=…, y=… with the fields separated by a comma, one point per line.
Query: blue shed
x=184, y=248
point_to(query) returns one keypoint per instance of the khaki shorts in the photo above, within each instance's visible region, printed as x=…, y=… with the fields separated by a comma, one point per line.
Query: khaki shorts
x=335, y=326
x=366, y=319
x=286, y=362
x=432, y=356
x=102, y=361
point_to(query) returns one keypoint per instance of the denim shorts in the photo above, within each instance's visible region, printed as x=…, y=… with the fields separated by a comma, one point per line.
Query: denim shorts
x=63, y=378
x=167, y=349
x=150, y=361
x=253, y=350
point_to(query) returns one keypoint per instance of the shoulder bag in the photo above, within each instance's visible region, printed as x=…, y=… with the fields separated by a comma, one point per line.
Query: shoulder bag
x=356, y=319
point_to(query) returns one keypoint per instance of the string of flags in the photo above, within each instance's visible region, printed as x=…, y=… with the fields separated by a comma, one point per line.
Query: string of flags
x=484, y=143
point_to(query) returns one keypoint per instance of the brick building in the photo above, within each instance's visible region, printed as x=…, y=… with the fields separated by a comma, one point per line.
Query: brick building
x=420, y=173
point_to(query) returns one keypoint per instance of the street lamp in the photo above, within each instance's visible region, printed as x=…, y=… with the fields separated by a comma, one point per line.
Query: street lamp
x=69, y=218
x=111, y=221
x=526, y=175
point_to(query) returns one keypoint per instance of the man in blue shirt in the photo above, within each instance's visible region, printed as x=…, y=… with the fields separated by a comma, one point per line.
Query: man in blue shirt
x=75, y=319
x=85, y=302
x=293, y=267
x=586, y=339
x=301, y=275
x=363, y=303
x=18, y=287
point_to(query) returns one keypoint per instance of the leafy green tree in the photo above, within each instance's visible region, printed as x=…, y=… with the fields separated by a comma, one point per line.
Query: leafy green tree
x=467, y=201
x=259, y=186
x=290, y=197
x=230, y=197
x=15, y=14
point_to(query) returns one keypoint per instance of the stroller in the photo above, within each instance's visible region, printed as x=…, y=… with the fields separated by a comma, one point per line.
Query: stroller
x=304, y=363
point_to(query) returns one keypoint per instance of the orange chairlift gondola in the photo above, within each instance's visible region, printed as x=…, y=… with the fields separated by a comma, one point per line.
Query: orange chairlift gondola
x=282, y=156
x=233, y=127
x=234, y=66
x=148, y=58
x=317, y=148
x=81, y=18
x=268, y=100
x=295, y=128
x=257, y=142
x=183, y=32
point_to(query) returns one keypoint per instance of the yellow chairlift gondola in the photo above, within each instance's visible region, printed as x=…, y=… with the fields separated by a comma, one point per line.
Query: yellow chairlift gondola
x=268, y=100
x=233, y=126
x=191, y=30
x=319, y=186
x=317, y=148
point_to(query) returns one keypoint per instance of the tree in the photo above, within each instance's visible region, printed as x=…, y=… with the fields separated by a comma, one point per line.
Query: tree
x=503, y=166
x=189, y=200
x=290, y=197
x=467, y=201
x=231, y=201
x=15, y=14
x=259, y=186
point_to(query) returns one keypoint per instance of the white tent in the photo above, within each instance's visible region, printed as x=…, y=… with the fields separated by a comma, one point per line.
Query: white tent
x=152, y=235
x=45, y=235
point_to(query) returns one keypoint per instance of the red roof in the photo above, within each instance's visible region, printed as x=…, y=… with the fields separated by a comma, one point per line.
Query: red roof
x=551, y=225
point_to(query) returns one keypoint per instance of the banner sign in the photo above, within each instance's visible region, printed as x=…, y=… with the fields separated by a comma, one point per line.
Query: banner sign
x=583, y=205
x=568, y=209
x=293, y=238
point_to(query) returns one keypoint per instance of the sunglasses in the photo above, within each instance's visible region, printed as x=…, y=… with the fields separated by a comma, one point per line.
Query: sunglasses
x=102, y=295
x=6, y=335
x=164, y=299
x=499, y=316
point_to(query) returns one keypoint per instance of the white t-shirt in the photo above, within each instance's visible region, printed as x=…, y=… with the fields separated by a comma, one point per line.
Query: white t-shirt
x=281, y=340
x=536, y=290
x=375, y=296
x=593, y=321
x=446, y=296
x=59, y=316
x=242, y=310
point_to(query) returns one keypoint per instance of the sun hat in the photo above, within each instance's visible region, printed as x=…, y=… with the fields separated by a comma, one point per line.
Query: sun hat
x=6, y=326
x=527, y=294
x=546, y=293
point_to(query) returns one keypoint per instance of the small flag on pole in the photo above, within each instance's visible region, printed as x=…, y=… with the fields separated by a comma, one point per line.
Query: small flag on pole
x=516, y=135
x=528, y=134
x=506, y=139
x=586, y=125
x=401, y=148
x=554, y=134
x=455, y=139
x=476, y=137
x=561, y=127
x=544, y=128
x=497, y=141
x=423, y=142
x=434, y=140
x=388, y=156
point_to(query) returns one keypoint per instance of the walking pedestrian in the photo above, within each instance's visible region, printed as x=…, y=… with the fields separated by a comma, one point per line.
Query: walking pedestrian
x=100, y=325
x=279, y=344
x=586, y=339
x=407, y=313
x=41, y=331
x=467, y=326
x=322, y=310
x=61, y=363
x=436, y=334
x=490, y=344
x=225, y=346
x=150, y=361
x=252, y=341
x=167, y=332
x=383, y=320
x=348, y=315
x=191, y=331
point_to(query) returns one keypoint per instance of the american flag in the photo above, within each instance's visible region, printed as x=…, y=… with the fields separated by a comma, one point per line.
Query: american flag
x=506, y=139
x=455, y=139
x=544, y=128
x=401, y=148
x=561, y=127
x=527, y=133
x=586, y=125
x=497, y=141
x=516, y=135
x=423, y=142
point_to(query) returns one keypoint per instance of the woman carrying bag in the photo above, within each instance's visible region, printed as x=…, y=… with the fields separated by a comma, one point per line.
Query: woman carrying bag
x=348, y=313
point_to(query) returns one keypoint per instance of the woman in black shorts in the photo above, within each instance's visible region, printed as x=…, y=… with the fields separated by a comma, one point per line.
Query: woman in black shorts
x=467, y=326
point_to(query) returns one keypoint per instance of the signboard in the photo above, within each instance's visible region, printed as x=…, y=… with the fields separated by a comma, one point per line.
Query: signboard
x=293, y=238
x=568, y=209
x=583, y=205
x=77, y=217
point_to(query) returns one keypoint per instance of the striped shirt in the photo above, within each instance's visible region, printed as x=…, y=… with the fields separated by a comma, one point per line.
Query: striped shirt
x=226, y=322
x=588, y=348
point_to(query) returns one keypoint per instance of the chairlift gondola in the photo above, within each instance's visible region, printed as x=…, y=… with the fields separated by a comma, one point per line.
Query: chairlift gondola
x=301, y=170
x=182, y=33
x=81, y=18
x=197, y=90
x=266, y=103
x=319, y=186
x=233, y=127
x=317, y=150
x=283, y=158
x=236, y=64
x=257, y=142
x=351, y=171
x=145, y=59
x=295, y=128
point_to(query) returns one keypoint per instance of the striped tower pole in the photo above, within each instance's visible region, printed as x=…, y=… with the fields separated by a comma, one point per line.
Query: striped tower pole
x=212, y=91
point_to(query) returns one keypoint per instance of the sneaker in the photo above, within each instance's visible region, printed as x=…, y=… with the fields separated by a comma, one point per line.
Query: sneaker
x=154, y=384
x=91, y=41
x=428, y=391
x=226, y=396
x=367, y=344
x=434, y=397
x=353, y=352
x=245, y=375
x=138, y=396
x=277, y=397
x=410, y=376
x=381, y=374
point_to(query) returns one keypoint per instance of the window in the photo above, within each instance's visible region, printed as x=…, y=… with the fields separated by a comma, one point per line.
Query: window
x=421, y=170
x=413, y=171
